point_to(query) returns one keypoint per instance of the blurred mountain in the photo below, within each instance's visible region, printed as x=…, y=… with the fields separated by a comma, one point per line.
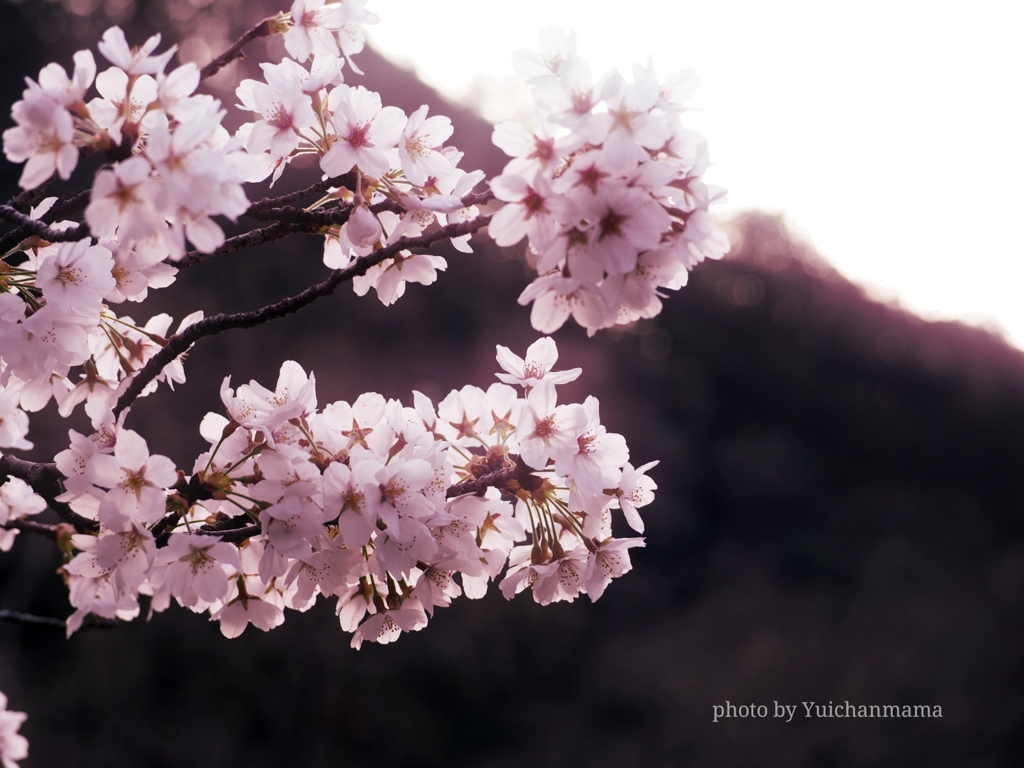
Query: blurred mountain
x=838, y=519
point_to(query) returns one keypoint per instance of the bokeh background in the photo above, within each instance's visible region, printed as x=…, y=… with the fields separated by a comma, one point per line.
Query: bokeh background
x=838, y=516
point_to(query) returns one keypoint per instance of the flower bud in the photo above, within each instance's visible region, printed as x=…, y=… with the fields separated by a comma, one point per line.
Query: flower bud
x=362, y=227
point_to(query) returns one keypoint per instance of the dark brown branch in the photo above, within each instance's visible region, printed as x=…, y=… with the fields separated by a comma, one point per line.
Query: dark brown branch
x=264, y=209
x=73, y=204
x=322, y=217
x=249, y=240
x=91, y=621
x=27, y=618
x=314, y=190
x=59, y=210
x=492, y=479
x=478, y=198
x=288, y=223
x=47, y=481
x=42, y=229
x=233, y=535
x=265, y=28
x=29, y=197
x=294, y=220
x=212, y=326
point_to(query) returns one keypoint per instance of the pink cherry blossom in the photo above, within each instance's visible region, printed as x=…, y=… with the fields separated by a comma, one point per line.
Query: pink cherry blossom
x=196, y=568
x=44, y=136
x=608, y=561
x=135, y=478
x=17, y=501
x=417, y=148
x=365, y=131
x=77, y=277
x=541, y=357
x=13, y=746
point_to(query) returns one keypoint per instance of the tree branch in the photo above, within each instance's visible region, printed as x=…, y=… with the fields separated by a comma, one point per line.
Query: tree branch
x=72, y=204
x=60, y=209
x=265, y=28
x=27, y=618
x=314, y=190
x=491, y=479
x=212, y=326
x=232, y=535
x=328, y=217
x=250, y=239
x=61, y=624
x=30, y=526
x=47, y=481
x=29, y=197
x=42, y=229
x=295, y=220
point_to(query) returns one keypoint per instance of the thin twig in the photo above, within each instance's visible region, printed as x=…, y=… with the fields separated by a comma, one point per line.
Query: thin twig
x=212, y=326
x=265, y=28
x=27, y=618
x=91, y=622
x=30, y=526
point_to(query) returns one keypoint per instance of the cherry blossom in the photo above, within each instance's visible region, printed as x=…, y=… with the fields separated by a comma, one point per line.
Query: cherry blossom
x=135, y=478
x=541, y=357
x=620, y=183
x=608, y=561
x=13, y=746
x=365, y=131
x=77, y=277
x=134, y=61
x=17, y=501
x=312, y=29
x=44, y=136
x=196, y=568
x=417, y=148
x=13, y=422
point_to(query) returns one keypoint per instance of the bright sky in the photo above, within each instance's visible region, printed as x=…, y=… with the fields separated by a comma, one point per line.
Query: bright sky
x=891, y=134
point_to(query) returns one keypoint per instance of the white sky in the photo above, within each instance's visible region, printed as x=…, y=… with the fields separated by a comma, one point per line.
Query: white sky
x=891, y=134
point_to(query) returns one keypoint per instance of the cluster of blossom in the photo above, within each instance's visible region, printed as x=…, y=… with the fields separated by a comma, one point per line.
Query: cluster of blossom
x=177, y=168
x=13, y=746
x=53, y=317
x=608, y=190
x=399, y=160
x=378, y=504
